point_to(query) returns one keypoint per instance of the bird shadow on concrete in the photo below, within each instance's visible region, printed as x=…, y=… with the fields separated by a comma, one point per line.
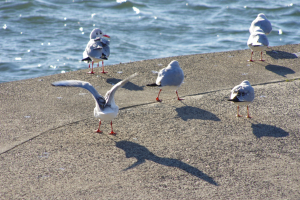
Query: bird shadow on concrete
x=190, y=112
x=128, y=86
x=142, y=154
x=281, y=55
x=264, y=130
x=280, y=70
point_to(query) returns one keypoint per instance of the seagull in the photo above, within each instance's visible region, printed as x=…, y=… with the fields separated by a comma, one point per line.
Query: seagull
x=257, y=41
x=97, y=49
x=106, y=109
x=242, y=94
x=170, y=77
x=262, y=22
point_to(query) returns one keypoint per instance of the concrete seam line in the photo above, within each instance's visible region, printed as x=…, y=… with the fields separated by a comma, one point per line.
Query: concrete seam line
x=39, y=134
x=134, y=106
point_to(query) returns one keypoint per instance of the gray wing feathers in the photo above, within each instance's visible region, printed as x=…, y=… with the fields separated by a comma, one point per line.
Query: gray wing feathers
x=105, y=42
x=170, y=77
x=160, y=76
x=106, y=49
x=94, y=49
x=85, y=55
x=263, y=40
x=258, y=39
x=86, y=85
x=265, y=25
x=110, y=94
x=244, y=94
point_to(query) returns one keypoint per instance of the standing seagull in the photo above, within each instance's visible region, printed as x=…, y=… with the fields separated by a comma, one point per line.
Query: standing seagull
x=257, y=41
x=106, y=109
x=97, y=49
x=170, y=77
x=242, y=94
x=262, y=22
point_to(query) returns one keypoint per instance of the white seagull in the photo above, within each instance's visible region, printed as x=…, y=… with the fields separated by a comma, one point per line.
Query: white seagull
x=97, y=49
x=242, y=94
x=257, y=41
x=262, y=22
x=106, y=109
x=170, y=77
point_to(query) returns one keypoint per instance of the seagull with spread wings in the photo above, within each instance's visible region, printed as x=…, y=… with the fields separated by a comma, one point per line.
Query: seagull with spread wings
x=106, y=108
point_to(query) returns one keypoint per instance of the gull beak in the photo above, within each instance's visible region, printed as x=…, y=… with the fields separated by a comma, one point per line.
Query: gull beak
x=106, y=36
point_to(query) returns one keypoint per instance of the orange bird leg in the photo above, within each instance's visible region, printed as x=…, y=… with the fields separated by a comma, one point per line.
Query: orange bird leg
x=261, y=56
x=157, y=98
x=103, y=72
x=98, y=130
x=251, y=57
x=92, y=72
x=178, y=96
x=112, y=132
x=248, y=116
x=238, y=112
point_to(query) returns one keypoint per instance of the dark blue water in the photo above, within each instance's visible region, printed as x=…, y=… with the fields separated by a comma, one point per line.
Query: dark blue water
x=40, y=37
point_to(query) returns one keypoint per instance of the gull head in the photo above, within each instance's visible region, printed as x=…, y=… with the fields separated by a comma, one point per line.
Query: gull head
x=262, y=15
x=174, y=64
x=97, y=33
x=245, y=82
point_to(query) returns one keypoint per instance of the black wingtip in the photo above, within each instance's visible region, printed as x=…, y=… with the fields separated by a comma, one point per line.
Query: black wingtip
x=54, y=84
x=152, y=84
x=234, y=100
x=87, y=59
x=104, y=57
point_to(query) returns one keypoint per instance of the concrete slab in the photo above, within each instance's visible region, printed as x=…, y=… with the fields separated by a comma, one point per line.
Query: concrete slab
x=192, y=149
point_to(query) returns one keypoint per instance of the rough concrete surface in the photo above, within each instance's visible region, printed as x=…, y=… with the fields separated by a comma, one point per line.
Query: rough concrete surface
x=191, y=149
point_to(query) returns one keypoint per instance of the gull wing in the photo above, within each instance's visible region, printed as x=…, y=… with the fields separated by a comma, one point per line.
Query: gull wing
x=172, y=75
x=105, y=42
x=160, y=76
x=263, y=40
x=258, y=39
x=86, y=85
x=242, y=94
x=94, y=49
x=109, y=96
x=86, y=58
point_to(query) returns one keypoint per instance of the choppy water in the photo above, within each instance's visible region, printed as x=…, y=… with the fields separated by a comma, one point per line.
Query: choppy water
x=44, y=37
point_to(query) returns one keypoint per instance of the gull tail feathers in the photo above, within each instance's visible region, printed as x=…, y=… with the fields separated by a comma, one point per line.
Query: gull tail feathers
x=257, y=44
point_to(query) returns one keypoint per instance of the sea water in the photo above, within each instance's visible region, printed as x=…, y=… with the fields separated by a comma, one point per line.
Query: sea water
x=44, y=37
